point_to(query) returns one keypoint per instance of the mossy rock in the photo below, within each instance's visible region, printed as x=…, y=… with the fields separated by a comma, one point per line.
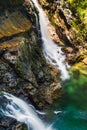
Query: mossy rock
x=80, y=67
x=1, y=93
x=15, y=23
x=4, y=4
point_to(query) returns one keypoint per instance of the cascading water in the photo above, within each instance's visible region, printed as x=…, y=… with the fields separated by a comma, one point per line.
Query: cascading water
x=52, y=52
x=17, y=108
x=22, y=112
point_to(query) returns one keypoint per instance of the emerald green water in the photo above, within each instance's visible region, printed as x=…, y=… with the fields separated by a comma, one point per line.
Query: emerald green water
x=72, y=105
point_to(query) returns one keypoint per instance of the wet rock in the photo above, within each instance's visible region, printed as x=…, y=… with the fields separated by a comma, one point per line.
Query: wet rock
x=85, y=61
x=68, y=15
x=19, y=126
x=10, y=58
x=71, y=58
x=11, y=124
x=10, y=78
x=7, y=77
x=3, y=126
x=68, y=50
x=6, y=123
x=52, y=92
x=40, y=75
x=30, y=89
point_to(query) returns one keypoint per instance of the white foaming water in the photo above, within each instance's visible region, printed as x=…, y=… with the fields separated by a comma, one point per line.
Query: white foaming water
x=22, y=112
x=52, y=52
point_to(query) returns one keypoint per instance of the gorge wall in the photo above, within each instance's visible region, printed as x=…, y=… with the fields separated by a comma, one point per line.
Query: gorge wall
x=69, y=19
x=10, y=4
x=24, y=70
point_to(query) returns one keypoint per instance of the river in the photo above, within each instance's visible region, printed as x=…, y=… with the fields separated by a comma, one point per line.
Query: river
x=72, y=105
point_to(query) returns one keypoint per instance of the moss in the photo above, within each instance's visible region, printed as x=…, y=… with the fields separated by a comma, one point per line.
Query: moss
x=79, y=58
x=19, y=69
x=80, y=67
x=4, y=4
x=81, y=30
x=1, y=93
x=81, y=9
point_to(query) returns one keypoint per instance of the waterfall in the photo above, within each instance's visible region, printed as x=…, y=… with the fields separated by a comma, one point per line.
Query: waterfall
x=52, y=52
x=22, y=112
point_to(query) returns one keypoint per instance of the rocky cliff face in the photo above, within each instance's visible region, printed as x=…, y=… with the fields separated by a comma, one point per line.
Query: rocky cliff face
x=10, y=4
x=69, y=19
x=23, y=68
x=21, y=52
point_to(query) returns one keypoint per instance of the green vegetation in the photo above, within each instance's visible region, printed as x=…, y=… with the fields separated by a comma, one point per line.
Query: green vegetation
x=80, y=23
x=1, y=93
x=81, y=8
